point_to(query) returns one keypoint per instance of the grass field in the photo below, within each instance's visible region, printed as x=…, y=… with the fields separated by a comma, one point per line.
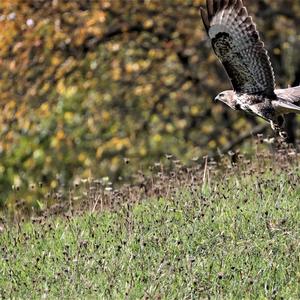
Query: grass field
x=235, y=237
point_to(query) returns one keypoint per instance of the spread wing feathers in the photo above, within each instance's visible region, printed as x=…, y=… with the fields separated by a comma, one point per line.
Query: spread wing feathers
x=290, y=94
x=284, y=107
x=238, y=46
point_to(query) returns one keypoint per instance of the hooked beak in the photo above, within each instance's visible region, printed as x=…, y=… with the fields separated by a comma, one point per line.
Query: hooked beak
x=216, y=99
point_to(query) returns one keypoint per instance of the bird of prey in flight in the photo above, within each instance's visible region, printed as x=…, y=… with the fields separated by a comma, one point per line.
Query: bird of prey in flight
x=238, y=46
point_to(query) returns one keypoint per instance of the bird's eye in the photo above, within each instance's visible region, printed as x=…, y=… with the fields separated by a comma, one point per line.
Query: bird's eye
x=221, y=95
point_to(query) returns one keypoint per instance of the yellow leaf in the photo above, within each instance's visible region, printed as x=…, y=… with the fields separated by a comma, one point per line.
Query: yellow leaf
x=69, y=116
x=60, y=135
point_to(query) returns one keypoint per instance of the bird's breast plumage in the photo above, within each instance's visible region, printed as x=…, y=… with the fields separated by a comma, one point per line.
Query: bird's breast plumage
x=256, y=105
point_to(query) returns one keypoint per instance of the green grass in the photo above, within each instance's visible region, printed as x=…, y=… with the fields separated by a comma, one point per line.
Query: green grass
x=232, y=239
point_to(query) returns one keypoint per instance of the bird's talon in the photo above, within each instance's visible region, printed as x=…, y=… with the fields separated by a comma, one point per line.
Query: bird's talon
x=283, y=134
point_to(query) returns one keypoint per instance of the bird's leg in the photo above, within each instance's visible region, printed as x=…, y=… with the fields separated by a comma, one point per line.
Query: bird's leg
x=282, y=132
x=274, y=126
x=278, y=127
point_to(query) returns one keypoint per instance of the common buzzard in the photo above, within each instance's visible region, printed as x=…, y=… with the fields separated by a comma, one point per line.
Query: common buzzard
x=238, y=46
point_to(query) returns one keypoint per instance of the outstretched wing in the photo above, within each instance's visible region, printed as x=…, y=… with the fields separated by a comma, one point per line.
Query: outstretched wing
x=290, y=94
x=237, y=44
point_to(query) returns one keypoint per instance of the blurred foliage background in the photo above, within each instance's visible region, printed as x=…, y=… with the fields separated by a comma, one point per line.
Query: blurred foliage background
x=85, y=84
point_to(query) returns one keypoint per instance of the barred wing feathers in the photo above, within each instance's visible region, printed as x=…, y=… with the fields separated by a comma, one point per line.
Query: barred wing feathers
x=237, y=44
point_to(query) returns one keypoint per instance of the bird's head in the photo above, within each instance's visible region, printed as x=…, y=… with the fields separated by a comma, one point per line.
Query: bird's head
x=229, y=98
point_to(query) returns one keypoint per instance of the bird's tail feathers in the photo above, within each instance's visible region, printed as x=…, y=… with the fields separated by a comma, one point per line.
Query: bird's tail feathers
x=284, y=107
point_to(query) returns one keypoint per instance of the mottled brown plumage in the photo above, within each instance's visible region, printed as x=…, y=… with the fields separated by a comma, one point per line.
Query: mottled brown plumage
x=238, y=46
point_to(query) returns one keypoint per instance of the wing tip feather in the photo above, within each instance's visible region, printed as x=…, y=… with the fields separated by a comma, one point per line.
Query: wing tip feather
x=210, y=8
x=205, y=19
